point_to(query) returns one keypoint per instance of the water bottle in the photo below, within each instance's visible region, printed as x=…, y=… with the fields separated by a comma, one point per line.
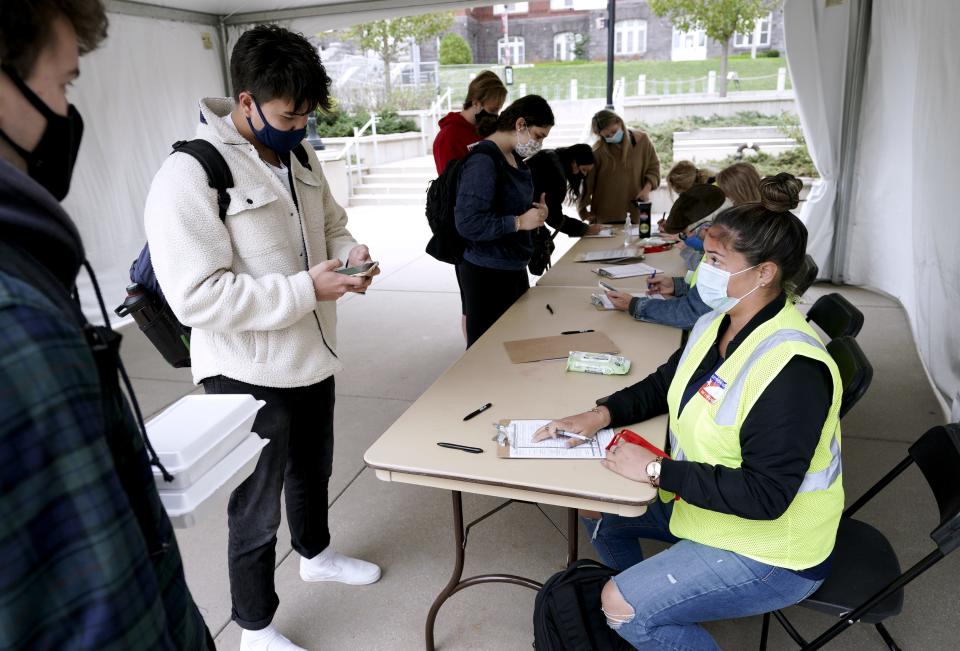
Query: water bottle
x=627, y=225
x=138, y=305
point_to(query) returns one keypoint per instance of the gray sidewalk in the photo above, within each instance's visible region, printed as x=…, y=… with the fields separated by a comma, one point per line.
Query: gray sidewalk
x=395, y=341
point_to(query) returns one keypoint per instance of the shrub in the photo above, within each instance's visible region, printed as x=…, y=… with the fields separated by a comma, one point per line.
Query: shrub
x=769, y=54
x=454, y=50
x=340, y=124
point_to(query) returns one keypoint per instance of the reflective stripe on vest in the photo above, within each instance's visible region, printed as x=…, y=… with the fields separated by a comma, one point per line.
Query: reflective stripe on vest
x=676, y=453
x=822, y=480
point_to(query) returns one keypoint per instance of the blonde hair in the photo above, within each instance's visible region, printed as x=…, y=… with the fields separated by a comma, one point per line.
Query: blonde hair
x=604, y=150
x=684, y=175
x=740, y=182
x=485, y=87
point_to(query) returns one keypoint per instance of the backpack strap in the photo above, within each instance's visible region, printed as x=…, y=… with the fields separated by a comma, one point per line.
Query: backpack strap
x=302, y=156
x=218, y=172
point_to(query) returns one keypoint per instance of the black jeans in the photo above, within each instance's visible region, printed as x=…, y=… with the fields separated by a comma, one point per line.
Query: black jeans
x=298, y=461
x=487, y=294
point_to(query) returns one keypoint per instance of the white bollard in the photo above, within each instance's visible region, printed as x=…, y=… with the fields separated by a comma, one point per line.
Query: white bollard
x=523, y=90
x=642, y=85
x=781, y=79
x=712, y=82
x=573, y=89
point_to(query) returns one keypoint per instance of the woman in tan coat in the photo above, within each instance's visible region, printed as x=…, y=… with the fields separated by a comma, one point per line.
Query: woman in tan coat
x=627, y=169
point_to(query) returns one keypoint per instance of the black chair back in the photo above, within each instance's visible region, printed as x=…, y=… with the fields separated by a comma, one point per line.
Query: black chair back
x=856, y=372
x=937, y=454
x=807, y=276
x=836, y=316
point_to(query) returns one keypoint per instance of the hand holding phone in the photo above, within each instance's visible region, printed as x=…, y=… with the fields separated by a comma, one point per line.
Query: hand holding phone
x=363, y=270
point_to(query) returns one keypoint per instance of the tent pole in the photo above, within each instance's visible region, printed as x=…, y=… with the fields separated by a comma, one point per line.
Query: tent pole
x=225, y=59
x=144, y=10
x=859, y=45
x=611, y=26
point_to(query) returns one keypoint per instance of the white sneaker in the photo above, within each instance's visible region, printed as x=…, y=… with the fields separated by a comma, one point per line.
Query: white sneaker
x=332, y=566
x=266, y=639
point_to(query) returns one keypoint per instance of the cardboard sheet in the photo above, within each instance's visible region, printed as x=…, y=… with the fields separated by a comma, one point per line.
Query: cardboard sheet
x=558, y=346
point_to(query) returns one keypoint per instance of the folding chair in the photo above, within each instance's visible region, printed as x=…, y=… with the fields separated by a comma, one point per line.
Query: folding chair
x=836, y=316
x=865, y=582
x=856, y=372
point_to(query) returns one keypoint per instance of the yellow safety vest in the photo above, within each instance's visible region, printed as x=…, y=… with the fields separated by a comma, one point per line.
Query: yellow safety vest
x=708, y=431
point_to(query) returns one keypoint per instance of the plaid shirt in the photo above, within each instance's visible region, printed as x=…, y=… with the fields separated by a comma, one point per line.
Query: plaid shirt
x=75, y=571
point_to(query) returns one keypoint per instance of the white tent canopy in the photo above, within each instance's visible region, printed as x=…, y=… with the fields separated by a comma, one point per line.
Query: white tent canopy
x=877, y=84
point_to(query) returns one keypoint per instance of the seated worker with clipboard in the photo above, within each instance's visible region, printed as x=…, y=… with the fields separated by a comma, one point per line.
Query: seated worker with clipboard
x=753, y=400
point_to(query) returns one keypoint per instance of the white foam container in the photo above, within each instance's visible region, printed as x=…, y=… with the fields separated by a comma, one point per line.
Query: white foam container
x=196, y=432
x=186, y=507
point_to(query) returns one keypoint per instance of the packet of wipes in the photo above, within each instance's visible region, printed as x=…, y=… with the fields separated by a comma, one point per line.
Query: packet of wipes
x=598, y=363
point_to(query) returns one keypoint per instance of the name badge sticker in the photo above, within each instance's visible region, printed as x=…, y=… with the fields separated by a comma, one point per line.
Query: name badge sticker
x=713, y=389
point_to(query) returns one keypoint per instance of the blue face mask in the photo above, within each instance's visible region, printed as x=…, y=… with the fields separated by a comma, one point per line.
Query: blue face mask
x=616, y=138
x=281, y=142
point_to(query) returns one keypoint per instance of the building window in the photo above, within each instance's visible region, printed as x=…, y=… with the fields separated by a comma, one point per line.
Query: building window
x=512, y=8
x=630, y=37
x=763, y=27
x=560, y=5
x=577, y=5
x=689, y=46
x=510, y=51
x=564, y=46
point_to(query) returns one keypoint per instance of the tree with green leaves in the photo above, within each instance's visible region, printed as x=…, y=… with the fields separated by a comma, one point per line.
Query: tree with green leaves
x=388, y=38
x=720, y=19
x=454, y=50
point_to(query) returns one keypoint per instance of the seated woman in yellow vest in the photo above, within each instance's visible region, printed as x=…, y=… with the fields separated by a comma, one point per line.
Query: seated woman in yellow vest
x=753, y=400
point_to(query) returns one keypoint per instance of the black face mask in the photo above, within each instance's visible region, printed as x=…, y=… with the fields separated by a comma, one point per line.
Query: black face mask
x=51, y=162
x=482, y=114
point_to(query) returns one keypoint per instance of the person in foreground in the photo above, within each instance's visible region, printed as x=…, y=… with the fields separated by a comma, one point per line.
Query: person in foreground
x=88, y=557
x=259, y=290
x=753, y=402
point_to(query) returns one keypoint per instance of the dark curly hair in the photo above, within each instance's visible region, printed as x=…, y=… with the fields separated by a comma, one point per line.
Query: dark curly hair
x=271, y=62
x=26, y=27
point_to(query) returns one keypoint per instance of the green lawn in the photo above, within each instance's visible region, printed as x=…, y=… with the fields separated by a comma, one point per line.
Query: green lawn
x=552, y=79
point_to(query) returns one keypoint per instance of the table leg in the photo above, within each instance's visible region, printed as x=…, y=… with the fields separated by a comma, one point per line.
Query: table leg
x=456, y=583
x=573, y=535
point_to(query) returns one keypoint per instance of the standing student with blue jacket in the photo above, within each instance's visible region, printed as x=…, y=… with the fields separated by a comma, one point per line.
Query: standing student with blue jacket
x=495, y=211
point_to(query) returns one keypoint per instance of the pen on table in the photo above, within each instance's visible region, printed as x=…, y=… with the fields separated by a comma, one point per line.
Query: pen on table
x=574, y=332
x=479, y=410
x=653, y=274
x=464, y=448
x=549, y=309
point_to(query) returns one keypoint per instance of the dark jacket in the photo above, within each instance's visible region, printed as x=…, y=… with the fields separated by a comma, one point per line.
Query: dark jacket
x=490, y=195
x=549, y=178
x=693, y=205
x=777, y=439
x=87, y=554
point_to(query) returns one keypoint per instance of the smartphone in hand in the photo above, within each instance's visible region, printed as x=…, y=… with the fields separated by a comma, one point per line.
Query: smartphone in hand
x=365, y=269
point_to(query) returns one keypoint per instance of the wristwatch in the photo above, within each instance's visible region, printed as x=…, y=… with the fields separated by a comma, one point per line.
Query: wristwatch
x=653, y=472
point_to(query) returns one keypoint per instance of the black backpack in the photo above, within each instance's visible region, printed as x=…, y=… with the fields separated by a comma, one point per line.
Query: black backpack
x=145, y=301
x=446, y=244
x=567, y=615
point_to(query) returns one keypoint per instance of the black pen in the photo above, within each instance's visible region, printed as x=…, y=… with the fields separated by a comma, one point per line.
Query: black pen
x=549, y=309
x=465, y=448
x=574, y=332
x=478, y=411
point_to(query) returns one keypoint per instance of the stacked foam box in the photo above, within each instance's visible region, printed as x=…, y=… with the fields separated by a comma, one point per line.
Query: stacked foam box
x=206, y=443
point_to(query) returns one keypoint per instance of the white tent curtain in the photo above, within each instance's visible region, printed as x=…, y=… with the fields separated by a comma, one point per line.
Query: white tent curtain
x=138, y=94
x=904, y=237
x=816, y=38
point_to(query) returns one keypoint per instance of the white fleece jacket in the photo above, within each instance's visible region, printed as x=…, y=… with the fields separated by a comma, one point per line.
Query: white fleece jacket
x=242, y=284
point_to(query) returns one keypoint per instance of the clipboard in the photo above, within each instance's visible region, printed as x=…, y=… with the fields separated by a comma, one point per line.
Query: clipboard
x=594, y=450
x=522, y=351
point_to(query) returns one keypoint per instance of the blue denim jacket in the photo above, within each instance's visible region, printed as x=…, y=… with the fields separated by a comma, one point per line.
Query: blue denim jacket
x=488, y=201
x=682, y=311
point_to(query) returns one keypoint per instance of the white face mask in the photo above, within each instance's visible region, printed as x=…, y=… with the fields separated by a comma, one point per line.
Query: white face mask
x=528, y=148
x=712, y=287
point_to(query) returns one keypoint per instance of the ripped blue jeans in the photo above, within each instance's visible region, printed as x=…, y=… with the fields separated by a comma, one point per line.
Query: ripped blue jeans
x=673, y=591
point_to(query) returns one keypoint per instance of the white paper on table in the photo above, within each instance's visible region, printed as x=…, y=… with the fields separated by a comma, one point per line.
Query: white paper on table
x=602, y=301
x=605, y=232
x=522, y=445
x=628, y=270
x=612, y=254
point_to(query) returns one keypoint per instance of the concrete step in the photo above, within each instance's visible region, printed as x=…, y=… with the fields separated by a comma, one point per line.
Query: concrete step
x=389, y=200
x=399, y=179
x=393, y=190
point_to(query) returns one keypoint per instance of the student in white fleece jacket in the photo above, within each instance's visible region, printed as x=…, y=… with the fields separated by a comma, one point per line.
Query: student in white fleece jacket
x=260, y=292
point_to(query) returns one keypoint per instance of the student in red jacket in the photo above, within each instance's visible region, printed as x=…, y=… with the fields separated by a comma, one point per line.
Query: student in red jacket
x=485, y=95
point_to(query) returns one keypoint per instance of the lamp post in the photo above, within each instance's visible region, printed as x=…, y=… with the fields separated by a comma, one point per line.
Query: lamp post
x=312, y=138
x=611, y=25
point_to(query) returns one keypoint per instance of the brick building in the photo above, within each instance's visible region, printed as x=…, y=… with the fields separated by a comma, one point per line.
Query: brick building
x=558, y=30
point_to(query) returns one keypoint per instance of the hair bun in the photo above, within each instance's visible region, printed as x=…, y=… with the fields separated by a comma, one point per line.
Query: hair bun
x=780, y=193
